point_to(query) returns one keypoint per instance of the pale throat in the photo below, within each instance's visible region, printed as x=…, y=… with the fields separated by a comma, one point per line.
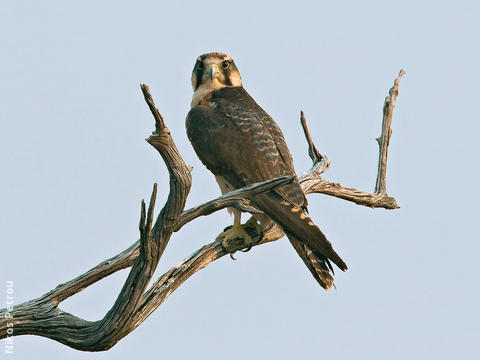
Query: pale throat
x=204, y=91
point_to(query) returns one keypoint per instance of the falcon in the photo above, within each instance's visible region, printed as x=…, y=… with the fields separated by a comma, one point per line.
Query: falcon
x=241, y=144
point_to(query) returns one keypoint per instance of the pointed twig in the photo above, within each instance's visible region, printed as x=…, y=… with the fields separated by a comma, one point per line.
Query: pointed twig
x=159, y=123
x=151, y=208
x=384, y=139
x=312, y=149
x=146, y=224
x=141, y=225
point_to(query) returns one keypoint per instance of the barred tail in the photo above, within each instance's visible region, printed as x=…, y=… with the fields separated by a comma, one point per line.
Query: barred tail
x=319, y=265
x=297, y=225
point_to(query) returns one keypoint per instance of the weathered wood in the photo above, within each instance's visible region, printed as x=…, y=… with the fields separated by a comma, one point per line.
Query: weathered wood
x=230, y=199
x=384, y=139
x=43, y=317
x=313, y=183
x=134, y=304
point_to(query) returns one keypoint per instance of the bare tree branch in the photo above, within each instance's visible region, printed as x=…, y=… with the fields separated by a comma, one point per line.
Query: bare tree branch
x=135, y=303
x=230, y=199
x=312, y=149
x=313, y=183
x=43, y=317
x=384, y=139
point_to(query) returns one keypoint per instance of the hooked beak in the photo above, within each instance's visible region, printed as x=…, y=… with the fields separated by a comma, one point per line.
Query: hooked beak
x=212, y=71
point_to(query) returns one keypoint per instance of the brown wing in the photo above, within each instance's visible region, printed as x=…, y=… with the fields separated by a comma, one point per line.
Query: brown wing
x=235, y=138
x=266, y=136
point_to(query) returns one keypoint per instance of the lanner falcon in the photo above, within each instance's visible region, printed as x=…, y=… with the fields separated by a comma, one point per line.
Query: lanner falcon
x=241, y=144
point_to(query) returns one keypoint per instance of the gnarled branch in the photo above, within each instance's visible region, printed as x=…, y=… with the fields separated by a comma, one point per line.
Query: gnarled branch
x=43, y=317
x=313, y=183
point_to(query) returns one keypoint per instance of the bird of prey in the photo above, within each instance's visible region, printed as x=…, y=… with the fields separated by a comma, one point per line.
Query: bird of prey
x=241, y=144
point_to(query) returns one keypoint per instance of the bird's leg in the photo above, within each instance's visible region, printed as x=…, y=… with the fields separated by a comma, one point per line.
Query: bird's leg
x=235, y=232
x=257, y=227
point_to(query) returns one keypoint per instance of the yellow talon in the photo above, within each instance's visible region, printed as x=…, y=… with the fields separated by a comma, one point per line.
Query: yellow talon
x=235, y=232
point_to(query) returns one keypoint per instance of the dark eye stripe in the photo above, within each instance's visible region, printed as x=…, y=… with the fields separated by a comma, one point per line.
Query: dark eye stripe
x=227, y=73
x=199, y=74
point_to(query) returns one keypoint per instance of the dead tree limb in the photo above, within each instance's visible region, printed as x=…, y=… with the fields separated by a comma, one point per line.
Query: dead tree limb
x=312, y=183
x=43, y=317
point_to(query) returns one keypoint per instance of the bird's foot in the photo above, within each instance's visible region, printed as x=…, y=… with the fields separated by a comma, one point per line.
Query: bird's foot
x=232, y=233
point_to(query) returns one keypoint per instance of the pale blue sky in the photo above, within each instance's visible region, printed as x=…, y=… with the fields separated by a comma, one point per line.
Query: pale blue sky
x=75, y=166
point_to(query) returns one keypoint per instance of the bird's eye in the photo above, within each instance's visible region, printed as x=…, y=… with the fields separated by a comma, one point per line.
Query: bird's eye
x=225, y=64
x=200, y=65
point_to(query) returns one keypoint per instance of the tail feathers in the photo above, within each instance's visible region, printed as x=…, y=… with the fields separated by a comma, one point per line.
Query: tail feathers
x=318, y=264
x=297, y=224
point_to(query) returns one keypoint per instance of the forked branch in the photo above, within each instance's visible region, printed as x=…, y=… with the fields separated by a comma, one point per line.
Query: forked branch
x=313, y=183
x=135, y=303
x=43, y=317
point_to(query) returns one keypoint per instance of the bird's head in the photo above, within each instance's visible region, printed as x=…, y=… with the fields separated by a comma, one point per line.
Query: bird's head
x=213, y=71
